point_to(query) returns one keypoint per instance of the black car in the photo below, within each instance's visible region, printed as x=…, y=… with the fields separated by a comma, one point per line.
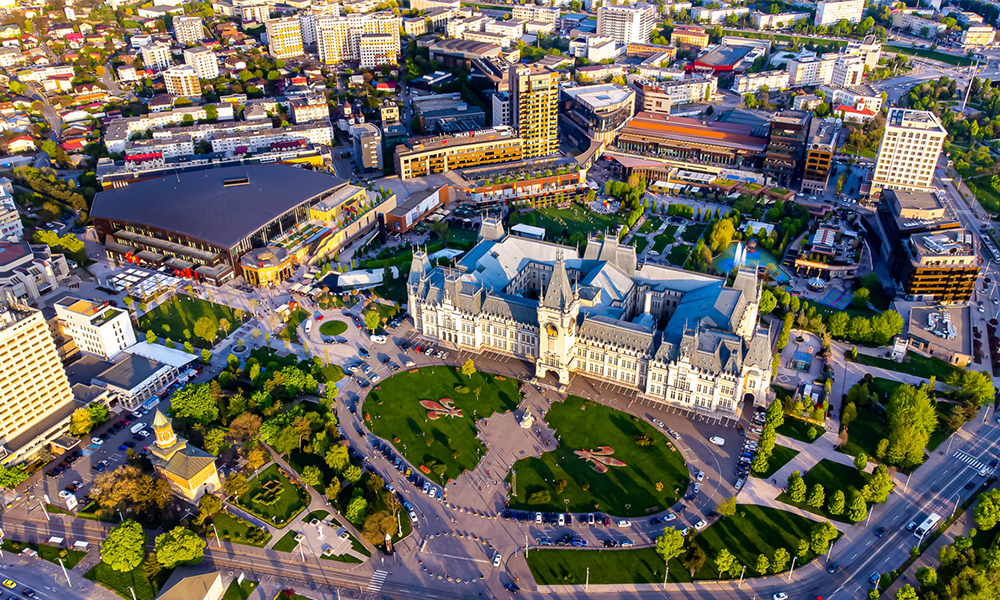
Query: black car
x=656, y=521
x=832, y=568
x=608, y=544
x=971, y=485
x=510, y=587
x=880, y=532
x=363, y=353
x=740, y=429
x=506, y=515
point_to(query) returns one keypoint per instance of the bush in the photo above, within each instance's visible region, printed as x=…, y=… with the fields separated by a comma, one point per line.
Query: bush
x=542, y=497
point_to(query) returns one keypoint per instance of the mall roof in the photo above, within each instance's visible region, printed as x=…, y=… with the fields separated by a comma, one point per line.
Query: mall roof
x=217, y=206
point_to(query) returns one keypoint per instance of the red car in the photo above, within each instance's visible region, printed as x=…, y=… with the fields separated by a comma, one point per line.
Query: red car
x=319, y=318
x=607, y=521
x=418, y=349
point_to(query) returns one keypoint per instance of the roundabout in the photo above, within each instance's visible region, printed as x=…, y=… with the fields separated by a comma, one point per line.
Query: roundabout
x=333, y=327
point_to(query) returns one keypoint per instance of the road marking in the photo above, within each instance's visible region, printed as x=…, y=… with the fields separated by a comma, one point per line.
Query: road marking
x=378, y=578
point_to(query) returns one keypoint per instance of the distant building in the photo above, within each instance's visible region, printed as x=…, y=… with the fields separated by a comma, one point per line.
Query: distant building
x=203, y=60
x=156, y=56
x=689, y=35
x=188, y=30
x=97, y=328
x=978, y=36
x=284, y=37
x=824, y=135
x=29, y=271
x=831, y=12
x=786, y=145
x=626, y=24
x=182, y=80
x=367, y=148
x=762, y=20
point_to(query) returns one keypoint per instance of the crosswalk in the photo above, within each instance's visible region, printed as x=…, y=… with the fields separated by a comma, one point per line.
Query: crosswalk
x=970, y=460
x=377, y=580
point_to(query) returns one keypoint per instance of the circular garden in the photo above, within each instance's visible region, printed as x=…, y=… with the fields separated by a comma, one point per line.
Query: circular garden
x=333, y=327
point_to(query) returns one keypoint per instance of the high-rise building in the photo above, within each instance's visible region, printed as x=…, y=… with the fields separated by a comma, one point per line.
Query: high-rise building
x=823, y=137
x=367, y=147
x=534, y=109
x=257, y=13
x=345, y=38
x=96, y=327
x=204, y=61
x=785, y=145
x=35, y=396
x=182, y=80
x=188, y=30
x=909, y=151
x=627, y=24
x=156, y=56
x=848, y=70
x=284, y=37
x=831, y=12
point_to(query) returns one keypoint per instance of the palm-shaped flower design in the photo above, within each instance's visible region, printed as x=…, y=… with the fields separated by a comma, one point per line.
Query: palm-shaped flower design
x=445, y=408
x=601, y=458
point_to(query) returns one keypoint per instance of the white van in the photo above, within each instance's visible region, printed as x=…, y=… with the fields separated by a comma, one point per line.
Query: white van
x=309, y=325
x=137, y=427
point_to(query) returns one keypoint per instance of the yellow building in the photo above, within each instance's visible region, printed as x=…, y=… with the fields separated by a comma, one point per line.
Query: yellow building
x=534, y=109
x=191, y=471
x=689, y=35
x=266, y=266
x=284, y=37
x=347, y=199
x=440, y=154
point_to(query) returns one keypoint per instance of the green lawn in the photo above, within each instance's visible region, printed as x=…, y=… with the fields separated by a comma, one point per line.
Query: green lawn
x=290, y=332
x=316, y=514
x=120, y=582
x=575, y=219
x=640, y=242
x=240, y=592
x=798, y=429
x=182, y=312
x=395, y=412
x=832, y=476
x=678, y=255
x=779, y=458
x=333, y=327
x=751, y=531
x=287, y=543
x=332, y=373
x=692, y=232
x=666, y=238
x=651, y=224
x=943, y=410
x=865, y=432
x=920, y=366
x=267, y=355
x=951, y=59
x=291, y=500
x=231, y=529
x=46, y=552
x=627, y=491
x=984, y=192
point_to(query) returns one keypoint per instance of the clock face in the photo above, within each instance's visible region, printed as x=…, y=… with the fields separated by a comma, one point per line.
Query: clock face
x=551, y=330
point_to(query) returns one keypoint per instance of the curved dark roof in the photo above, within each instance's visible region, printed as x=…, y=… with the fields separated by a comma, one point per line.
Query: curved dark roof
x=200, y=205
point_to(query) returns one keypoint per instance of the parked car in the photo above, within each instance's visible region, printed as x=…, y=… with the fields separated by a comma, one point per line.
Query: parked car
x=624, y=524
x=718, y=441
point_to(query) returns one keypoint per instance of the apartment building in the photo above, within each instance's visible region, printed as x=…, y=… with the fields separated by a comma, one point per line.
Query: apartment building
x=831, y=12
x=916, y=20
x=751, y=83
x=118, y=131
x=861, y=97
x=941, y=265
x=188, y=30
x=308, y=108
x=340, y=38
x=182, y=80
x=627, y=24
x=156, y=56
x=203, y=60
x=430, y=5
x=593, y=47
x=11, y=228
x=870, y=48
x=978, y=36
x=908, y=152
x=534, y=108
x=367, y=147
x=848, y=70
x=542, y=14
x=786, y=145
x=689, y=35
x=316, y=132
x=820, y=148
x=284, y=37
x=779, y=21
x=714, y=16
x=440, y=154
x=171, y=145
x=600, y=111
x=256, y=14
x=96, y=327
x=35, y=397
x=501, y=108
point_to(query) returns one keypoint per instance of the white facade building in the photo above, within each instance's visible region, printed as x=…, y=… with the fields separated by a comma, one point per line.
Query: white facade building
x=909, y=151
x=204, y=61
x=627, y=24
x=156, y=56
x=188, y=30
x=97, y=328
x=831, y=12
x=339, y=38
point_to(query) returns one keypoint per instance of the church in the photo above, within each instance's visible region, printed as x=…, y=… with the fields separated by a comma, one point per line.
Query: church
x=680, y=338
x=191, y=471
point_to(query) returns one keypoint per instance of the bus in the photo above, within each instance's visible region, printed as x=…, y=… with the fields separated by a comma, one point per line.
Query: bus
x=929, y=523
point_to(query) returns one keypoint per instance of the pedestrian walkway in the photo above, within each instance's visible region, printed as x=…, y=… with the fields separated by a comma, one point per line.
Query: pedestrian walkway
x=378, y=578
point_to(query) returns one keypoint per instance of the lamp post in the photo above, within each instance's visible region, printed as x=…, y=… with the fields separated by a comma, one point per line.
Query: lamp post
x=133, y=592
x=217, y=540
x=792, y=569
x=65, y=574
x=744, y=570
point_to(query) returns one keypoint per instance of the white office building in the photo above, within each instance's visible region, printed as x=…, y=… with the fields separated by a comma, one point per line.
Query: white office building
x=156, y=56
x=831, y=12
x=627, y=24
x=96, y=327
x=909, y=151
x=203, y=60
x=188, y=30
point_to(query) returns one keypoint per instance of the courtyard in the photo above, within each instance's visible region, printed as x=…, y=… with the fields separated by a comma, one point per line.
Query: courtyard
x=176, y=318
x=273, y=497
x=651, y=478
x=393, y=411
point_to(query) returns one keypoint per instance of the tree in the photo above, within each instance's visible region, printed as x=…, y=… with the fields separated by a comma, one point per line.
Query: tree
x=974, y=386
x=879, y=486
x=695, y=559
x=257, y=457
x=912, y=419
x=352, y=474
x=727, y=507
x=372, y=320
x=207, y=328
x=338, y=458
x=860, y=461
x=796, y=487
x=312, y=475
x=837, y=324
x=780, y=560
x=927, y=576
x=124, y=547
x=195, y=402
x=670, y=545
x=129, y=488
x=356, y=510
x=988, y=511
x=80, y=423
x=208, y=505
x=215, y=441
x=377, y=525
x=763, y=564
x=835, y=503
x=767, y=302
x=236, y=485
x=821, y=535
x=907, y=592
x=469, y=368
x=817, y=496
x=206, y=356
x=150, y=337
x=857, y=510
x=179, y=546
x=775, y=414
x=332, y=489
x=724, y=561
x=245, y=427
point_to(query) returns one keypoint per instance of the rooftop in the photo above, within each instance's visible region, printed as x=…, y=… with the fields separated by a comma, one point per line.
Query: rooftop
x=598, y=96
x=271, y=256
x=130, y=371
x=724, y=56
x=424, y=144
x=695, y=131
x=947, y=327
x=218, y=206
x=951, y=242
x=914, y=119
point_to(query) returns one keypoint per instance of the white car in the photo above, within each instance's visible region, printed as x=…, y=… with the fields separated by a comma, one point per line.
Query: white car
x=700, y=476
x=658, y=423
x=562, y=520
x=780, y=596
x=538, y=517
x=65, y=494
x=624, y=524
x=97, y=440
x=496, y=559
x=413, y=516
x=700, y=525
x=375, y=378
x=984, y=471
x=717, y=440
x=379, y=339
x=697, y=488
x=590, y=518
x=669, y=517
x=684, y=532
x=409, y=363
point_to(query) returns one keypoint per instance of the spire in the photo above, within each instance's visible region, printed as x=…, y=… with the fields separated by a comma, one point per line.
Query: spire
x=164, y=431
x=559, y=294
